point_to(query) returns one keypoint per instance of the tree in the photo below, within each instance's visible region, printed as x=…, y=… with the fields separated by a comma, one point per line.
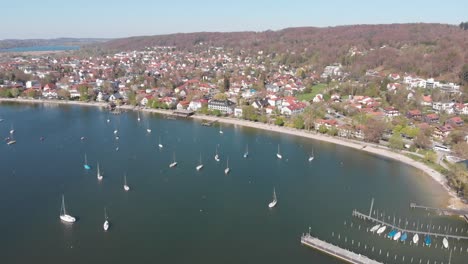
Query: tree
x=220, y=96
x=396, y=142
x=430, y=156
x=422, y=140
x=83, y=93
x=333, y=131
x=323, y=129
x=455, y=137
x=373, y=130
x=31, y=93
x=226, y=83
x=15, y=92
x=298, y=122
x=62, y=93
x=458, y=178
x=5, y=93
x=464, y=74
x=461, y=149
x=132, y=98
x=279, y=121
x=410, y=132
x=249, y=113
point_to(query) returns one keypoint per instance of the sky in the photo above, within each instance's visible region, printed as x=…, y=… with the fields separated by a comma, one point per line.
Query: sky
x=26, y=19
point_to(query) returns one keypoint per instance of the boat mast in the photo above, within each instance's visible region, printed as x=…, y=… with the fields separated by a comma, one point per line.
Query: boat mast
x=63, y=205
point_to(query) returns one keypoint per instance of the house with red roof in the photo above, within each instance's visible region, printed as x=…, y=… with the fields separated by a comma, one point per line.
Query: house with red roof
x=293, y=109
x=391, y=111
x=442, y=132
x=328, y=123
x=455, y=121
x=414, y=114
x=432, y=118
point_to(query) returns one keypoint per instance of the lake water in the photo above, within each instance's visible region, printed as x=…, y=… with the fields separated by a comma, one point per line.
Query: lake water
x=180, y=215
x=41, y=48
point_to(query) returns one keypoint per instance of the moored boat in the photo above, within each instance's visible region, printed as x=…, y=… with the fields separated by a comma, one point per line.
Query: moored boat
x=63, y=213
x=381, y=230
x=445, y=242
x=375, y=228
x=275, y=201
x=278, y=154
x=404, y=237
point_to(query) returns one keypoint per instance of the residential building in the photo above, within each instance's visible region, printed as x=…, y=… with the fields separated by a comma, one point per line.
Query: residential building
x=225, y=106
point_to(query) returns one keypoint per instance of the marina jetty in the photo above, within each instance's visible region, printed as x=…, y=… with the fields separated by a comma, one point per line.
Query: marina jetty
x=335, y=251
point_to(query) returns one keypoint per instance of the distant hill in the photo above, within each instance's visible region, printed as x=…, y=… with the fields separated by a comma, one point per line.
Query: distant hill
x=436, y=50
x=17, y=43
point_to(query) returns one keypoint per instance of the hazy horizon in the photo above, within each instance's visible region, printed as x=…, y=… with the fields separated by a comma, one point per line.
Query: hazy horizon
x=116, y=19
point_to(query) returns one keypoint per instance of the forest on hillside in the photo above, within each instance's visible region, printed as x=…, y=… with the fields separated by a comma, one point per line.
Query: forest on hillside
x=430, y=50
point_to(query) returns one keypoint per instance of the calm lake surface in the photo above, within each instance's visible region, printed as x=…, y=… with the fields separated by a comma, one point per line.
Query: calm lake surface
x=180, y=215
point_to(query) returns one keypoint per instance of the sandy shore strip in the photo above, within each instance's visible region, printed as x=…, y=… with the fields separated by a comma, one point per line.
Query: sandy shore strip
x=455, y=202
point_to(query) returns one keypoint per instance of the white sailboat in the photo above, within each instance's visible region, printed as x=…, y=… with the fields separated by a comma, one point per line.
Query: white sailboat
x=63, y=213
x=85, y=165
x=126, y=187
x=12, y=130
x=116, y=131
x=246, y=153
x=216, y=157
x=148, y=130
x=139, y=119
x=160, y=145
x=278, y=155
x=99, y=175
x=227, y=170
x=174, y=163
x=445, y=243
x=397, y=236
x=273, y=203
x=200, y=166
x=375, y=228
x=311, y=157
x=106, y=224
x=381, y=230
x=415, y=238
x=11, y=140
x=220, y=131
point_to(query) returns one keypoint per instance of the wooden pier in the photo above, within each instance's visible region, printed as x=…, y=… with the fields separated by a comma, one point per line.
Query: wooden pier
x=209, y=123
x=183, y=113
x=335, y=251
x=441, y=210
x=375, y=220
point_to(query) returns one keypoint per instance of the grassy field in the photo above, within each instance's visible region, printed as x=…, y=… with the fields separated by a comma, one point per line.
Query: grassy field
x=316, y=89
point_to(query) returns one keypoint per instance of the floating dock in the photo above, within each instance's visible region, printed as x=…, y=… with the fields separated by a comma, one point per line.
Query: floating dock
x=335, y=251
x=375, y=220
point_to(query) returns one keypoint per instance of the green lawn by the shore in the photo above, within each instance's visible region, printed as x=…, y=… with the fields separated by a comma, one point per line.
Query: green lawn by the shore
x=316, y=89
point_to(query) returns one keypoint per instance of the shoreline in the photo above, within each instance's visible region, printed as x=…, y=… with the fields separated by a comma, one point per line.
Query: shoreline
x=454, y=200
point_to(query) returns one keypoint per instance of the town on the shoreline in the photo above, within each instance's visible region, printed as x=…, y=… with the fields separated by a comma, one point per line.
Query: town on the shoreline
x=423, y=118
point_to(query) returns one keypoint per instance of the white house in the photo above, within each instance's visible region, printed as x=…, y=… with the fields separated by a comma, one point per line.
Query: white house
x=114, y=97
x=443, y=107
x=293, y=109
x=50, y=93
x=102, y=97
x=74, y=93
x=225, y=106
x=195, y=105
x=238, y=112
x=318, y=98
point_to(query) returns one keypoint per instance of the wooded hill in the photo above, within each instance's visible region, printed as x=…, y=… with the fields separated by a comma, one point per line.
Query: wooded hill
x=430, y=50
